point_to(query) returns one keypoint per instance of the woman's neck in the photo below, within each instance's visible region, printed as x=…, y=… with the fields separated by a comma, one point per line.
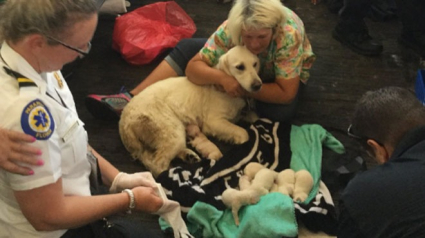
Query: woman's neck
x=27, y=53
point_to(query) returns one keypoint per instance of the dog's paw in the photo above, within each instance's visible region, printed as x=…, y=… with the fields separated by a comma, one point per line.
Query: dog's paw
x=241, y=136
x=250, y=117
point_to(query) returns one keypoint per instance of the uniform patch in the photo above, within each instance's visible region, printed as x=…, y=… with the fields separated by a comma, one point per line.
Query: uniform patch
x=36, y=120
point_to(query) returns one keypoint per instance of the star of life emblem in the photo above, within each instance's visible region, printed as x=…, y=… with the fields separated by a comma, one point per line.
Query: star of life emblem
x=36, y=120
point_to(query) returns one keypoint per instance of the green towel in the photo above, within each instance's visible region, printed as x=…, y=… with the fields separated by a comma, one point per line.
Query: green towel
x=273, y=216
x=306, y=147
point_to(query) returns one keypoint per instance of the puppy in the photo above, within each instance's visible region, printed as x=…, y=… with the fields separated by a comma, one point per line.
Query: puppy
x=153, y=124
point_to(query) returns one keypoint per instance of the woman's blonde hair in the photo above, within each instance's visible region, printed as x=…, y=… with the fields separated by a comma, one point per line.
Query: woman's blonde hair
x=47, y=17
x=254, y=14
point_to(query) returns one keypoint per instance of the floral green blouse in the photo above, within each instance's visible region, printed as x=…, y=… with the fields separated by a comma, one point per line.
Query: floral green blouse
x=288, y=56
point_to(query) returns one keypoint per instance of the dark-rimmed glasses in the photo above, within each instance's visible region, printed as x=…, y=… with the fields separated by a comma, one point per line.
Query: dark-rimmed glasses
x=363, y=138
x=350, y=133
x=81, y=52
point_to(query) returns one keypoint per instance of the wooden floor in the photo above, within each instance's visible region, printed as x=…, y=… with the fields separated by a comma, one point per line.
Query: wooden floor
x=338, y=78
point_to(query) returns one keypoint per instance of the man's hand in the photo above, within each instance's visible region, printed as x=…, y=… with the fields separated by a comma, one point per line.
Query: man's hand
x=14, y=149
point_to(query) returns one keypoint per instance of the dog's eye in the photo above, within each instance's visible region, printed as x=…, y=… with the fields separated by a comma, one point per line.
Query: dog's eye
x=255, y=64
x=240, y=67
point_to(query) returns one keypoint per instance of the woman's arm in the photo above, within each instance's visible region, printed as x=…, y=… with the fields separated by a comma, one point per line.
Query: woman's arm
x=199, y=72
x=108, y=171
x=46, y=208
x=283, y=91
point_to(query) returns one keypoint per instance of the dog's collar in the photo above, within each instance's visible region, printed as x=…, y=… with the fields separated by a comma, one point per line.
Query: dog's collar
x=249, y=104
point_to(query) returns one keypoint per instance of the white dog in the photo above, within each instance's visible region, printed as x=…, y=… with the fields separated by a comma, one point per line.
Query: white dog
x=153, y=124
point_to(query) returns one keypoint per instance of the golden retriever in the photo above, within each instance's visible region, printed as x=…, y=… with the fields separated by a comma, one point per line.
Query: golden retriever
x=153, y=124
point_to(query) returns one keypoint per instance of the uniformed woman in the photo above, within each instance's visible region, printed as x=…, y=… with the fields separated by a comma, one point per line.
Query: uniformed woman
x=39, y=37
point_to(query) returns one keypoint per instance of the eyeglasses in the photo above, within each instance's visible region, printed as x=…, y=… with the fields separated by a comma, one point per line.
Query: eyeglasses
x=81, y=52
x=351, y=134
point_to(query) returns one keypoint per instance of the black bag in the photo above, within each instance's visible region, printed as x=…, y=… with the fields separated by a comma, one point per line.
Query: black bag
x=116, y=227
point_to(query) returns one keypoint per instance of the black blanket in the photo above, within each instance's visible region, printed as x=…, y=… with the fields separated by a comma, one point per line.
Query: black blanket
x=269, y=144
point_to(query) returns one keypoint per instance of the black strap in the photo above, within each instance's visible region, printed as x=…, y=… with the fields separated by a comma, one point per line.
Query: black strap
x=62, y=102
x=13, y=73
x=22, y=80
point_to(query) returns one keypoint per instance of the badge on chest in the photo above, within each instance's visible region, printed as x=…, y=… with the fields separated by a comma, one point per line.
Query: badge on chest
x=59, y=80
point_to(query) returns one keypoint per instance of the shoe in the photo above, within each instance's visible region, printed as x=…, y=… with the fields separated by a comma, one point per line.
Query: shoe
x=360, y=42
x=416, y=42
x=107, y=107
x=334, y=5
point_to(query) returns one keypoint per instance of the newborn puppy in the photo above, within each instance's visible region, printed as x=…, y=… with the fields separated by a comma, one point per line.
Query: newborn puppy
x=303, y=185
x=201, y=143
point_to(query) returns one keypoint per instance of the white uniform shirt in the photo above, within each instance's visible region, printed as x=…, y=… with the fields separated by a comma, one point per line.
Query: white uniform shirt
x=59, y=132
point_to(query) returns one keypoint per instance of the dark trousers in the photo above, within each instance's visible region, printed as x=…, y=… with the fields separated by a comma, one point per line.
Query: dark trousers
x=119, y=227
x=412, y=15
x=352, y=14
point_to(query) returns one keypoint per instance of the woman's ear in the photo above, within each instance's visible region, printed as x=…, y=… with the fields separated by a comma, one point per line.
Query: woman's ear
x=35, y=42
x=380, y=152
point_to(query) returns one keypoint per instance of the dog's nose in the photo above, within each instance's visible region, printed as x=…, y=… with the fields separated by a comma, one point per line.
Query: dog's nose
x=256, y=86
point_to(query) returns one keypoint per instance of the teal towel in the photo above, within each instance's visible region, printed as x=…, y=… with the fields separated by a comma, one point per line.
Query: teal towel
x=273, y=216
x=306, y=146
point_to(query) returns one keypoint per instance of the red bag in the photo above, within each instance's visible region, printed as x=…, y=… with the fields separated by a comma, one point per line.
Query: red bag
x=141, y=35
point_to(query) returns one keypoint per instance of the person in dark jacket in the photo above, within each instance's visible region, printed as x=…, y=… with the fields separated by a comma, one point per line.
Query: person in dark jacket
x=352, y=31
x=389, y=199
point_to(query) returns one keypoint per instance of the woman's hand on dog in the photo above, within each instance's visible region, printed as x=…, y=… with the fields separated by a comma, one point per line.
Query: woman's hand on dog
x=231, y=86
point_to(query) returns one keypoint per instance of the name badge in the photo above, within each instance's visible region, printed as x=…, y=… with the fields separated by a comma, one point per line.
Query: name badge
x=70, y=132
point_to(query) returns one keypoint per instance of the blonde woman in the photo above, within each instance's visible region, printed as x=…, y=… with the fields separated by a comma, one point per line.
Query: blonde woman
x=268, y=29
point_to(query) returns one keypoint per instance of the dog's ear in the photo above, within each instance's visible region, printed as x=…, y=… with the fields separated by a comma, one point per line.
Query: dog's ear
x=223, y=64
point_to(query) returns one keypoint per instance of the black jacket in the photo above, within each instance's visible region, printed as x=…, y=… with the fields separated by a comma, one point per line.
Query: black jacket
x=388, y=200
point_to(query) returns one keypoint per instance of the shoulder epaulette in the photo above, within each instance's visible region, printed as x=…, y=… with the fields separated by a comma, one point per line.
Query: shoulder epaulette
x=22, y=80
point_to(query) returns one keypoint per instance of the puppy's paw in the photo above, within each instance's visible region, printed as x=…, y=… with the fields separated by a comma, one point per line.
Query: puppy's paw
x=190, y=156
x=216, y=155
x=300, y=197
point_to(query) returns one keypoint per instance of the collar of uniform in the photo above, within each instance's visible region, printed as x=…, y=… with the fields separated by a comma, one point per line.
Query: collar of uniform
x=17, y=63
